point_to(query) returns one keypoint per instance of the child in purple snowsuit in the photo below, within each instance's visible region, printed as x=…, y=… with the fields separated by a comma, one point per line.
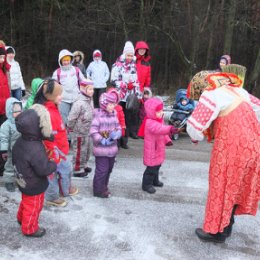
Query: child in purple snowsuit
x=105, y=131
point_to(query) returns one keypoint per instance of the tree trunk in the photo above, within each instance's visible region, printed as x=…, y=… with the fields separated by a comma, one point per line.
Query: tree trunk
x=254, y=76
x=230, y=26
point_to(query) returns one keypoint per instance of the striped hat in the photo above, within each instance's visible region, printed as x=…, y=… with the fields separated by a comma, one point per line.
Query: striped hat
x=107, y=98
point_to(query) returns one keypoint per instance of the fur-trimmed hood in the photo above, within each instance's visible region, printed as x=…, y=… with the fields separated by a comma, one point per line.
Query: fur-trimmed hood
x=81, y=54
x=45, y=120
x=34, y=123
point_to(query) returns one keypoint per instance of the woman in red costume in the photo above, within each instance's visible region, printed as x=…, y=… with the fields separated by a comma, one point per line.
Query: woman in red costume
x=229, y=113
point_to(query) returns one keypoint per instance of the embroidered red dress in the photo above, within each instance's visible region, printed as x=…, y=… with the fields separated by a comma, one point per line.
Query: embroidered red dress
x=234, y=174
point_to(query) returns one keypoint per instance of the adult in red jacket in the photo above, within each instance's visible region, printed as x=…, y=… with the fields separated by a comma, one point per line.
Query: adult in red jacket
x=143, y=65
x=4, y=87
x=4, y=92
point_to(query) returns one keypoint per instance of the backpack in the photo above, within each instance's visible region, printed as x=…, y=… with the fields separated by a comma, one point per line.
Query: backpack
x=77, y=73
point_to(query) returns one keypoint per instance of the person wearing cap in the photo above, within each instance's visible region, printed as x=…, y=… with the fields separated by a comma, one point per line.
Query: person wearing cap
x=50, y=95
x=79, y=122
x=16, y=78
x=99, y=73
x=69, y=77
x=105, y=131
x=124, y=78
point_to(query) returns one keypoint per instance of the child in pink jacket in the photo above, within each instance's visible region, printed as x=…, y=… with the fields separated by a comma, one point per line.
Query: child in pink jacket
x=155, y=138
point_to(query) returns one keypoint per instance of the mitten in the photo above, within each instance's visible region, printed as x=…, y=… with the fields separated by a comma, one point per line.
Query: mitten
x=106, y=141
x=130, y=86
x=116, y=134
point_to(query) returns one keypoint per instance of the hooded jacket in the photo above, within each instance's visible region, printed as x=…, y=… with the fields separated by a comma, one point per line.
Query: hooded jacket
x=98, y=72
x=30, y=160
x=80, y=116
x=16, y=78
x=79, y=64
x=35, y=86
x=8, y=131
x=154, y=135
x=68, y=78
x=143, y=65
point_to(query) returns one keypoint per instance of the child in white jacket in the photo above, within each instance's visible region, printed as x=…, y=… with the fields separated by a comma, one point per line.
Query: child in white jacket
x=16, y=78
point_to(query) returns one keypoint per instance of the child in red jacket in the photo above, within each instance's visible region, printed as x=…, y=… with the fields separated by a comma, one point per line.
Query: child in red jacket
x=49, y=95
x=121, y=118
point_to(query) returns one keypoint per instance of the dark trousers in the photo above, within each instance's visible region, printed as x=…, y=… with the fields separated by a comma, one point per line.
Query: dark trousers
x=97, y=93
x=150, y=176
x=131, y=120
x=104, y=167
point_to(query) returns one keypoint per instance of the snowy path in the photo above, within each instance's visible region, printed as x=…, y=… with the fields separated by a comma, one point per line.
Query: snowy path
x=132, y=225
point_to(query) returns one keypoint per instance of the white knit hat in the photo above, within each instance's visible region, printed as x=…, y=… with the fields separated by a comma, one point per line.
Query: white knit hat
x=129, y=48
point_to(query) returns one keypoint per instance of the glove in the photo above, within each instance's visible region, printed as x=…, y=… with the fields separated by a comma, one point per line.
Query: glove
x=173, y=130
x=23, y=92
x=106, y=141
x=4, y=156
x=130, y=86
x=116, y=134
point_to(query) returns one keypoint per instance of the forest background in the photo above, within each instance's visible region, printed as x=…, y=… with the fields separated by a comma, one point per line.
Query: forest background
x=185, y=36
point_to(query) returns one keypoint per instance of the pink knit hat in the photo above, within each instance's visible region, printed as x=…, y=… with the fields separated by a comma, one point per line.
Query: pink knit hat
x=107, y=98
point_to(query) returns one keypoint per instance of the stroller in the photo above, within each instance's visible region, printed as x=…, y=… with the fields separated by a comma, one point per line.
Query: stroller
x=182, y=109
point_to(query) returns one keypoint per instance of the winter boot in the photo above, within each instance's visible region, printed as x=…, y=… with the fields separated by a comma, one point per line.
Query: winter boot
x=228, y=229
x=156, y=181
x=148, y=181
x=39, y=233
x=124, y=141
x=207, y=237
x=60, y=202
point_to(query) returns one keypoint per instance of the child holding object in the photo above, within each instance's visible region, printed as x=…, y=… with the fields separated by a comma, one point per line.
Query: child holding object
x=105, y=131
x=156, y=136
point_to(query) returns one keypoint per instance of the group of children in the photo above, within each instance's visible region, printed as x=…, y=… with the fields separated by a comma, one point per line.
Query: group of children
x=35, y=142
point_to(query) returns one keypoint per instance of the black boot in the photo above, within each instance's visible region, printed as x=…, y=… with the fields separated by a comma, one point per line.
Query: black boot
x=156, y=181
x=147, y=183
x=39, y=233
x=207, y=237
x=124, y=141
x=228, y=229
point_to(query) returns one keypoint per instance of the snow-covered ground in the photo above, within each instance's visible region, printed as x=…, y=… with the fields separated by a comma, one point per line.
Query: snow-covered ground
x=131, y=225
